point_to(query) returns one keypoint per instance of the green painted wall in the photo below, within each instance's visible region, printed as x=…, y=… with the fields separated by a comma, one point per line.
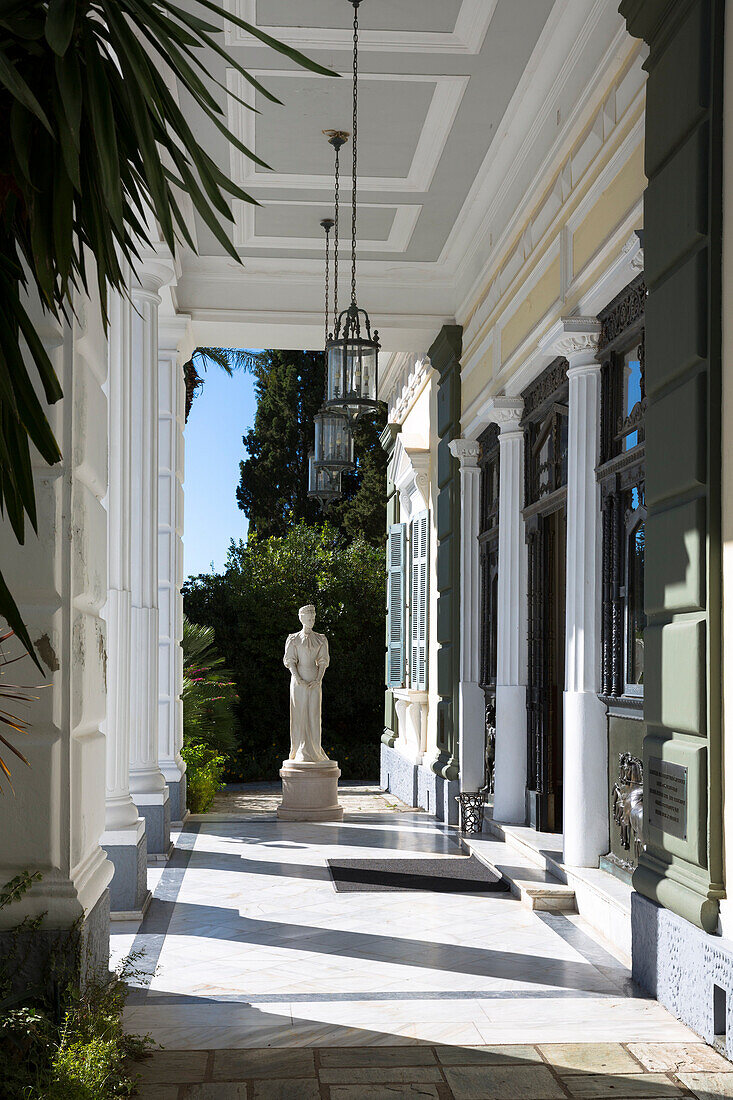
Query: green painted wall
x=682, y=259
x=445, y=356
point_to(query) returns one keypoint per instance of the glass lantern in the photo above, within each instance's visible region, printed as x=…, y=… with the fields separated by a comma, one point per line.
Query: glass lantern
x=324, y=484
x=351, y=366
x=334, y=443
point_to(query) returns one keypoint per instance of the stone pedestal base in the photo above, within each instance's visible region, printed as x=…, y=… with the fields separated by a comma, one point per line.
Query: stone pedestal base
x=310, y=792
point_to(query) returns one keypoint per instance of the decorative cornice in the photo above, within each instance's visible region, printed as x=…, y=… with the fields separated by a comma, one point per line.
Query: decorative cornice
x=467, y=451
x=405, y=385
x=388, y=437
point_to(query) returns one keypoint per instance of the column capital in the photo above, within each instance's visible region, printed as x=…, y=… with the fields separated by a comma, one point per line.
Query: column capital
x=150, y=276
x=467, y=452
x=576, y=338
x=507, y=413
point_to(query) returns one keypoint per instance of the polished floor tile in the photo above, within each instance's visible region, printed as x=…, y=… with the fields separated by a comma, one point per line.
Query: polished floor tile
x=246, y=945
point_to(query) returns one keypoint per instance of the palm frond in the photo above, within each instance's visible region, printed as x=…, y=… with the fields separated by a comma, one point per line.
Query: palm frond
x=93, y=139
x=9, y=718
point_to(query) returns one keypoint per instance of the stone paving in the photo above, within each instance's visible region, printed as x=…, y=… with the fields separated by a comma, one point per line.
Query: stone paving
x=544, y=1072
x=254, y=798
x=259, y=980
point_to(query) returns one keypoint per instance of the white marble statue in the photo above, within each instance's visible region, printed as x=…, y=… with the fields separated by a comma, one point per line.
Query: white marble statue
x=306, y=658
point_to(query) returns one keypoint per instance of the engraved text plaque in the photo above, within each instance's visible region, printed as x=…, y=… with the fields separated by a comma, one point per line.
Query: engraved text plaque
x=668, y=797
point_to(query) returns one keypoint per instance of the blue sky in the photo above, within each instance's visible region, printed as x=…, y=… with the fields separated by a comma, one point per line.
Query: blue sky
x=220, y=416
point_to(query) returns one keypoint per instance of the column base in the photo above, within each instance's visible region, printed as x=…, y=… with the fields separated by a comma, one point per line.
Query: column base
x=418, y=785
x=47, y=957
x=177, y=795
x=510, y=763
x=310, y=792
x=127, y=851
x=155, y=809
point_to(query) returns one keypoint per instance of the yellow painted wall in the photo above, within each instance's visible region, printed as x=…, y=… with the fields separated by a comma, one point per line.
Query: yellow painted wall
x=478, y=379
x=618, y=198
x=532, y=309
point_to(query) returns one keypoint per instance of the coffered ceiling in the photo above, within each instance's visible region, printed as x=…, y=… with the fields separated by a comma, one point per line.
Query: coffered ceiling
x=438, y=80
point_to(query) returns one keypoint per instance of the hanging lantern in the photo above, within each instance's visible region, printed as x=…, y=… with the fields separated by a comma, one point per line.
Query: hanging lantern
x=351, y=365
x=351, y=353
x=324, y=483
x=334, y=441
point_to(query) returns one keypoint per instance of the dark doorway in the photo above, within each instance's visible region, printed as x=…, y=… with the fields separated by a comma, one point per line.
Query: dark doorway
x=546, y=434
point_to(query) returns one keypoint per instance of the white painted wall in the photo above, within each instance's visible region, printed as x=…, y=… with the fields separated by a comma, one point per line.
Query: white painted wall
x=59, y=580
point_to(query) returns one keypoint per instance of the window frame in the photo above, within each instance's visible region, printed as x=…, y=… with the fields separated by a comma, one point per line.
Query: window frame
x=619, y=472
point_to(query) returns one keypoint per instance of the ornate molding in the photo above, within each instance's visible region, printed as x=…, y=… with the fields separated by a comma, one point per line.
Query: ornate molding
x=467, y=451
x=624, y=311
x=407, y=386
x=411, y=478
x=544, y=387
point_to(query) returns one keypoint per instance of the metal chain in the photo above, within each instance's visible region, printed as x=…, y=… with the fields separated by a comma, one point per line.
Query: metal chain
x=353, y=168
x=336, y=244
x=328, y=258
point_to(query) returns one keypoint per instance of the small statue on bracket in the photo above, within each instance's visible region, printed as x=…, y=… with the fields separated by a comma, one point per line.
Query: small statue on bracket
x=628, y=802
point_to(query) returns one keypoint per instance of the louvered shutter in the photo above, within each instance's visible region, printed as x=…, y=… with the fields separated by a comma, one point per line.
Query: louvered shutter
x=419, y=543
x=396, y=564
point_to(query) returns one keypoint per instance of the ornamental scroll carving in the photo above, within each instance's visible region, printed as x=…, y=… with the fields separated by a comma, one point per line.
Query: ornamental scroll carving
x=544, y=388
x=623, y=312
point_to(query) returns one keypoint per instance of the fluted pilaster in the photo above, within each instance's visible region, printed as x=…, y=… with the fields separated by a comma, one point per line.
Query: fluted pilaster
x=471, y=720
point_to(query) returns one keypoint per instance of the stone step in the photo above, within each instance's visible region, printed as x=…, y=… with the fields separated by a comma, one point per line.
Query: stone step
x=535, y=887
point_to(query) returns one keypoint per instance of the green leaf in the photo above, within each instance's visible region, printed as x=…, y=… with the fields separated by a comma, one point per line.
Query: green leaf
x=60, y=24
x=68, y=79
x=13, y=81
x=20, y=133
x=11, y=614
x=280, y=47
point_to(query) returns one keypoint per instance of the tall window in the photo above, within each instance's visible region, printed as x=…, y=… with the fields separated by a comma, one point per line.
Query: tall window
x=419, y=542
x=408, y=578
x=621, y=473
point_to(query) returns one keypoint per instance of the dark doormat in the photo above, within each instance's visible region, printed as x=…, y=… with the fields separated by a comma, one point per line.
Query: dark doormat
x=450, y=875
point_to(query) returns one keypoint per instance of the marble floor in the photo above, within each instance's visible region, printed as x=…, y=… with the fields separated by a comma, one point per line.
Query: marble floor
x=246, y=944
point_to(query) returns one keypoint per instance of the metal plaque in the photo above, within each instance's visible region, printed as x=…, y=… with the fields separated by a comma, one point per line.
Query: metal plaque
x=668, y=797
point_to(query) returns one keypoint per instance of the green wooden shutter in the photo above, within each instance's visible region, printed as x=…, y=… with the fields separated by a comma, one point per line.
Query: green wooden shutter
x=419, y=542
x=396, y=564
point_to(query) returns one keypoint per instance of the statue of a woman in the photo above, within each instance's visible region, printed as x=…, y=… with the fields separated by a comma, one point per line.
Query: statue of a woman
x=306, y=658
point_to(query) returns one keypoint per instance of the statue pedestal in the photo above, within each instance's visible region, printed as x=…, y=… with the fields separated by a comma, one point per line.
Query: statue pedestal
x=310, y=792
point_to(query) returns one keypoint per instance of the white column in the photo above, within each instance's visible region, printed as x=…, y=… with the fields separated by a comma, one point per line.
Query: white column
x=471, y=705
x=171, y=417
x=124, y=830
x=510, y=766
x=585, y=753
x=147, y=782
x=53, y=823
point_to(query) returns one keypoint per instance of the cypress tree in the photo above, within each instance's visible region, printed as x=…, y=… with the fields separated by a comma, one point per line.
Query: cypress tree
x=273, y=485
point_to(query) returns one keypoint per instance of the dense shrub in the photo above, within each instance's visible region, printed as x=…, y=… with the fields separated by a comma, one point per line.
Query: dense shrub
x=204, y=772
x=208, y=720
x=60, y=1040
x=253, y=605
